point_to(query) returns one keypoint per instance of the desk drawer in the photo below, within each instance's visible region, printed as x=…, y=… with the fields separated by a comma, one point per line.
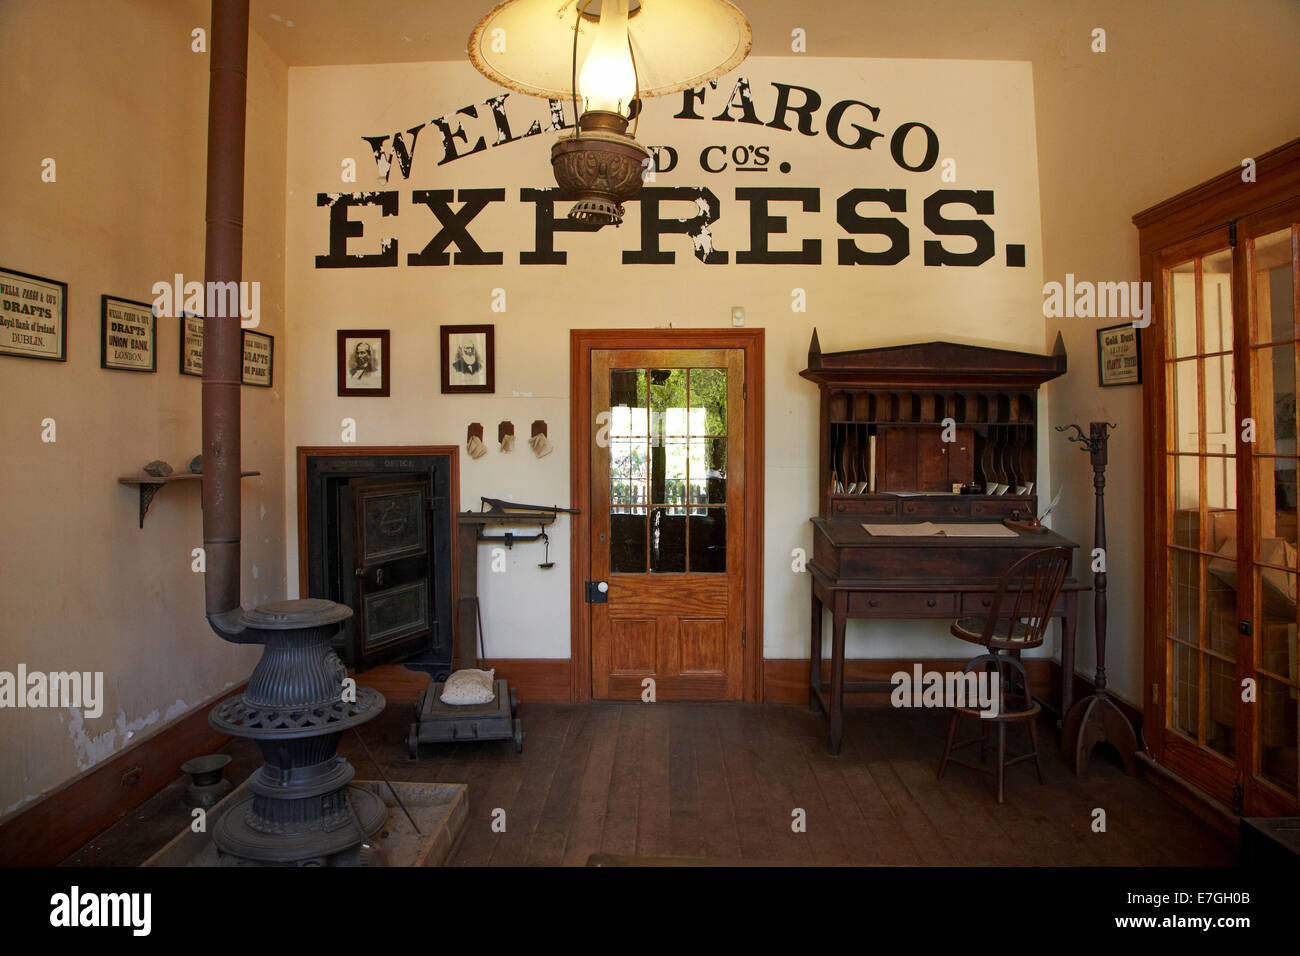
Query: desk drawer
x=854, y=505
x=974, y=604
x=948, y=507
x=903, y=604
x=1001, y=508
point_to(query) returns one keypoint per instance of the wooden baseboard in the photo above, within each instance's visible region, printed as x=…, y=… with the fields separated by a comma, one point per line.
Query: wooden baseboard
x=785, y=680
x=61, y=822
x=539, y=681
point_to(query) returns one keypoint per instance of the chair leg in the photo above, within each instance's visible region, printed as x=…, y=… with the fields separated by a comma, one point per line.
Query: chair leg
x=1033, y=742
x=1002, y=755
x=947, y=750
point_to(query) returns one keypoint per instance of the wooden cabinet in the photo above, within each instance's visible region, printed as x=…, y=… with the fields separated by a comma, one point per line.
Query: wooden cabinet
x=1219, y=411
x=929, y=431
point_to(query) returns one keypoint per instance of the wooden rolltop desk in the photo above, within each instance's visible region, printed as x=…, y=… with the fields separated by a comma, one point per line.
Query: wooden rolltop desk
x=936, y=432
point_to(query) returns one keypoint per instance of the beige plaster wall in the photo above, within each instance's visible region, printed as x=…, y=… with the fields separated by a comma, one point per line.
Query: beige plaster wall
x=114, y=94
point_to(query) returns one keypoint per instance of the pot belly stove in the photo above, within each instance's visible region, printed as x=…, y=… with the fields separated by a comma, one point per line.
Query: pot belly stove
x=301, y=810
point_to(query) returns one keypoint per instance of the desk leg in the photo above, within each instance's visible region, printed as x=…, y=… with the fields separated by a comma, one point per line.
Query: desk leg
x=839, y=613
x=1068, y=622
x=815, y=671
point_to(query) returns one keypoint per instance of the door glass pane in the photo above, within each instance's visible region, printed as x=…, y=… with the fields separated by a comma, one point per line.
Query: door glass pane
x=1185, y=574
x=627, y=402
x=1277, y=639
x=1275, y=420
x=1274, y=289
x=1221, y=697
x=627, y=541
x=668, y=540
x=668, y=402
x=708, y=470
x=1184, y=689
x=668, y=471
x=628, y=472
x=1220, y=435
x=1187, y=500
x=1216, y=302
x=1277, y=733
x=709, y=395
x=709, y=541
x=1182, y=309
x=1186, y=435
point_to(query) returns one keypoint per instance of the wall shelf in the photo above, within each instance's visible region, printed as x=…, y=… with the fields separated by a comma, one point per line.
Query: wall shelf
x=148, y=486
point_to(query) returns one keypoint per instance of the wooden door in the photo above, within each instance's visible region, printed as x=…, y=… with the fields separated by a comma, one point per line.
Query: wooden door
x=386, y=524
x=667, y=523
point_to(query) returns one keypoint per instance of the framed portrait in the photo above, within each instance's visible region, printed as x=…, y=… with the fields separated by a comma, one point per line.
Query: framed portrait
x=1119, y=356
x=33, y=316
x=128, y=335
x=191, y=344
x=259, y=355
x=468, y=359
x=364, y=362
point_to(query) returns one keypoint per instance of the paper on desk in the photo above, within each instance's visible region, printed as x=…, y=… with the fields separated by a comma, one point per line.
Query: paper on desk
x=977, y=530
x=924, y=529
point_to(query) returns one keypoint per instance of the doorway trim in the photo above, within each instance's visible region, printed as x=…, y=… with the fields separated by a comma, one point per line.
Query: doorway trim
x=582, y=342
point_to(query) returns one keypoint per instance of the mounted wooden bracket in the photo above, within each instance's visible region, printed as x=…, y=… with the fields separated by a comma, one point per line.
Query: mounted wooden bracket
x=539, y=427
x=474, y=440
x=505, y=429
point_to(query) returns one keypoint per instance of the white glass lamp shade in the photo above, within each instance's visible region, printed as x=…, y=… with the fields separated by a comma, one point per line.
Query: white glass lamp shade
x=527, y=46
x=607, y=81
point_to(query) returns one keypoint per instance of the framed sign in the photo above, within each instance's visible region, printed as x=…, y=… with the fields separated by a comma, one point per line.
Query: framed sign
x=191, y=344
x=128, y=333
x=259, y=352
x=1119, y=357
x=363, y=360
x=468, y=359
x=33, y=316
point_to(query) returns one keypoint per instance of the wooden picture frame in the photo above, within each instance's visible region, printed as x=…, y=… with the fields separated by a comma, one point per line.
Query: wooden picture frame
x=1119, y=355
x=24, y=301
x=257, y=359
x=364, y=363
x=128, y=335
x=479, y=341
x=191, y=334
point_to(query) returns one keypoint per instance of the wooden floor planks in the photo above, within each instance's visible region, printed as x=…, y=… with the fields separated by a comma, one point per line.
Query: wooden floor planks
x=720, y=781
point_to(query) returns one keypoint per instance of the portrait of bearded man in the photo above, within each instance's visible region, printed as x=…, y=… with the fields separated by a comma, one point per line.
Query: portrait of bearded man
x=364, y=366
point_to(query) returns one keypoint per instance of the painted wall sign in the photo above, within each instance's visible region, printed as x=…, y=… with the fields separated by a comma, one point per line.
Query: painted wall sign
x=741, y=155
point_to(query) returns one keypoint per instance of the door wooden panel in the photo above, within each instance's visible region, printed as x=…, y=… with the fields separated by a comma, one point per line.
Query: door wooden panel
x=668, y=523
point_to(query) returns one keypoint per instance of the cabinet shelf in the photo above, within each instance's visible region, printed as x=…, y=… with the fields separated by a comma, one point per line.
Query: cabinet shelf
x=149, y=485
x=883, y=413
